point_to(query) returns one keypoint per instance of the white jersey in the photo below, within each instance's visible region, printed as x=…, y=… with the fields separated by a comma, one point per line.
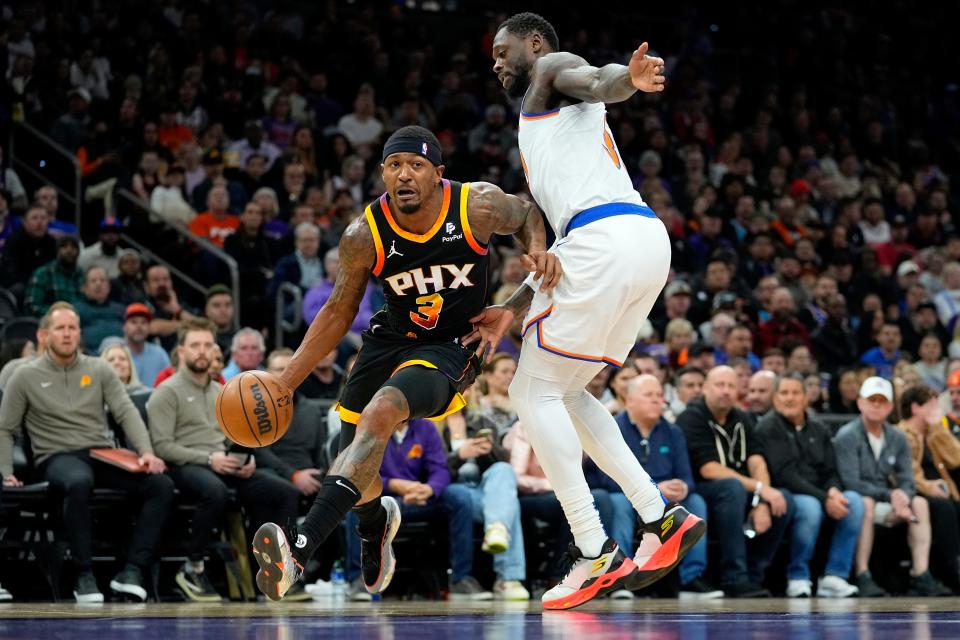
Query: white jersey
x=572, y=162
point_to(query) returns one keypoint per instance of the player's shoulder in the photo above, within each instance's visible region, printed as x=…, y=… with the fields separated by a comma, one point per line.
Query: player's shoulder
x=357, y=241
x=553, y=63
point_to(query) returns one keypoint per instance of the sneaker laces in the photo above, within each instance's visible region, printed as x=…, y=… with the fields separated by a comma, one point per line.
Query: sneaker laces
x=569, y=559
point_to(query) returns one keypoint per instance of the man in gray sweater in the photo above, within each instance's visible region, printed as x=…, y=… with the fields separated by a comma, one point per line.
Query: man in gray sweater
x=59, y=396
x=185, y=433
x=874, y=460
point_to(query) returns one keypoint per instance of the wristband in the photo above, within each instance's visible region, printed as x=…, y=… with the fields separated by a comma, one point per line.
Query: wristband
x=756, y=494
x=456, y=444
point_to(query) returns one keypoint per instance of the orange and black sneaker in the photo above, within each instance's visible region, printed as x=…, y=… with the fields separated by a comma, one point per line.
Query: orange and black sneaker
x=588, y=578
x=279, y=570
x=664, y=543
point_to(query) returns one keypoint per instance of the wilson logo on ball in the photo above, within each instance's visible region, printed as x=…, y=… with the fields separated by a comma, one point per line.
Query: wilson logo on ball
x=260, y=410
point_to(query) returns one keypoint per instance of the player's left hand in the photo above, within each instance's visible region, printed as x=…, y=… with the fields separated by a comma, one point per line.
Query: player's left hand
x=489, y=326
x=543, y=264
x=152, y=463
x=247, y=470
x=646, y=72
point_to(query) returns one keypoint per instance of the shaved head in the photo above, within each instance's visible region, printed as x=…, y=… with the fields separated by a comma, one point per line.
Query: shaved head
x=720, y=390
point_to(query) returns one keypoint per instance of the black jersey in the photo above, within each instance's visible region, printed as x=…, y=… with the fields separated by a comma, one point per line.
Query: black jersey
x=435, y=282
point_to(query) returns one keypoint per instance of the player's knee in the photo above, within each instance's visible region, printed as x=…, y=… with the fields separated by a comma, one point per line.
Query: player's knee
x=385, y=411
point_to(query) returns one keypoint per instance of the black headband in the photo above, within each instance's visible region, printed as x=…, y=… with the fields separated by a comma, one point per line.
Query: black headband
x=413, y=144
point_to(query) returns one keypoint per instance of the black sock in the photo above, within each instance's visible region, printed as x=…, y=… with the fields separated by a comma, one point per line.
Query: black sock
x=373, y=518
x=337, y=496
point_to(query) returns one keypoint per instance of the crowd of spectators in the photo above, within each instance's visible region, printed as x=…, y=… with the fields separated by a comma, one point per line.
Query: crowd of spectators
x=807, y=197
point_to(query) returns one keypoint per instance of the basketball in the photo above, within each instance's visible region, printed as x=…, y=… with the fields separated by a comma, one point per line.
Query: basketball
x=253, y=409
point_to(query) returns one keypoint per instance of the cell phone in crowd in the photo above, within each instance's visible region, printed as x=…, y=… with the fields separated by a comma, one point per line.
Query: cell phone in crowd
x=242, y=457
x=485, y=433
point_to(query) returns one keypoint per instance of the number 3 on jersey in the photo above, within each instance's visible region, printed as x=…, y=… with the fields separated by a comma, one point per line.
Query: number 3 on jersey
x=429, y=313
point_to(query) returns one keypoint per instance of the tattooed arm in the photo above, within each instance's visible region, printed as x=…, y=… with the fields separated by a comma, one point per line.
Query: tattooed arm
x=357, y=255
x=491, y=211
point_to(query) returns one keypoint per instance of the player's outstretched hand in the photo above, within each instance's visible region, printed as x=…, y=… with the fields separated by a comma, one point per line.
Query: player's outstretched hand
x=489, y=326
x=543, y=264
x=646, y=72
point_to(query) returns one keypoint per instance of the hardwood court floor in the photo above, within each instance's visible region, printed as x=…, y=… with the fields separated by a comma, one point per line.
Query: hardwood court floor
x=889, y=619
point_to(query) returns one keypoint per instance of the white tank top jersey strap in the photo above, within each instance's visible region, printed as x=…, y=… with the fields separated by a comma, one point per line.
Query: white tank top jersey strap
x=615, y=252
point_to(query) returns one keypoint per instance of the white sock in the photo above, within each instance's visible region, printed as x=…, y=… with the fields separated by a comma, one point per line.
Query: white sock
x=551, y=433
x=602, y=440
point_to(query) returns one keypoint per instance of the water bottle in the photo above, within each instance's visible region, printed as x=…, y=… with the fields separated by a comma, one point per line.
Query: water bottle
x=337, y=581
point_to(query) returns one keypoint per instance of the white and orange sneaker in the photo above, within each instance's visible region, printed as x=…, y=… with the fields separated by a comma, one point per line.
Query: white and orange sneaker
x=664, y=543
x=591, y=577
x=279, y=570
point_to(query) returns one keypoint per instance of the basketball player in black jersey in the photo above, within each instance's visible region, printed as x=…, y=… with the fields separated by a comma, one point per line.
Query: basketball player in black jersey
x=426, y=240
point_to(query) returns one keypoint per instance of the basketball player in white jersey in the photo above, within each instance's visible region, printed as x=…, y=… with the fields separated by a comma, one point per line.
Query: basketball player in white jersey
x=615, y=255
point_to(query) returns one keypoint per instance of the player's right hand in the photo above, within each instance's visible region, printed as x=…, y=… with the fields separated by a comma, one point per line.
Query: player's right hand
x=489, y=326
x=12, y=481
x=543, y=264
x=223, y=464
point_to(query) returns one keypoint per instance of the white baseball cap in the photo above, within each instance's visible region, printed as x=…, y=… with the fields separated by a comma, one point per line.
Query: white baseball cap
x=876, y=386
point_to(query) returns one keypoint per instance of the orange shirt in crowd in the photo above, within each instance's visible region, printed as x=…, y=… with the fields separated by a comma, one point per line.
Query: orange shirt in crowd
x=206, y=225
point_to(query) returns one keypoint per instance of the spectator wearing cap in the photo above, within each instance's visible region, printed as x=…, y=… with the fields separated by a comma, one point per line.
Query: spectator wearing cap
x=127, y=287
x=213, y=167
x=801, y=192
x=887, y=353
x=59, y=279
x=888, y=253
x=100, y=317
x=783, y=322
x=149, y=359
x=216, y=222
x=254, y=143
x=27, y=249
x=104, y=253
x=801, y=459
x=873, y=459
x=221, y=310
x=676, y=304
x=787, y=227
x=948, y=300
x=833, y=343
x=702, y=355
x=702, y=244
x=169, y=198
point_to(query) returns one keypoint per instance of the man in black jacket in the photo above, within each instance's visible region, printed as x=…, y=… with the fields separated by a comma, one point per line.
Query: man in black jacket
x=801, y=458
x=833, y=343
x=732, y=477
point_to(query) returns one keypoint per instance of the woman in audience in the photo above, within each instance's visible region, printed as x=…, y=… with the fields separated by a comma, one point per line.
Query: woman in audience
x=678, y=336
x=118, y=356
x=618, y=388
x=931, y=366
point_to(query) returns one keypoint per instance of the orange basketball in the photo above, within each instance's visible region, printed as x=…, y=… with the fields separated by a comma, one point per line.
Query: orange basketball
x=253, y=409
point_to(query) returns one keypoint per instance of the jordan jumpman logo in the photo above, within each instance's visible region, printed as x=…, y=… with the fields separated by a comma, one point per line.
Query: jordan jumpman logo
x=393, y=250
